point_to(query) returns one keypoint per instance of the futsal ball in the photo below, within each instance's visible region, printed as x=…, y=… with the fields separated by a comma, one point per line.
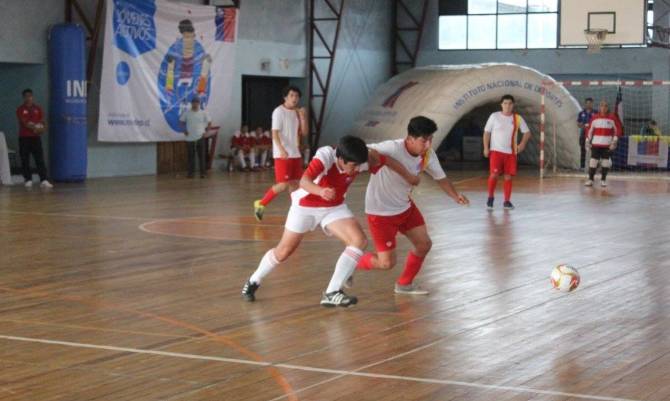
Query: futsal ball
x=565, y=278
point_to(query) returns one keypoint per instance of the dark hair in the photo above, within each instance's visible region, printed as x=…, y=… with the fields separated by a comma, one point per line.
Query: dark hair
x=27, y=90
x=507, y=97
x=186, y=25
x=652, y=122
x=588, y=99
x=289, y=88
x=352, y=149
x=421, y=126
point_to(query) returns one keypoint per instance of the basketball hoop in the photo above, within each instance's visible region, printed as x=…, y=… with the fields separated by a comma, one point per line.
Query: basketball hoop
x=595, y=39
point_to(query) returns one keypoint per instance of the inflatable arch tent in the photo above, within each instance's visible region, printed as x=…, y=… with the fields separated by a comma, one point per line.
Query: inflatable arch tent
x=448, y=93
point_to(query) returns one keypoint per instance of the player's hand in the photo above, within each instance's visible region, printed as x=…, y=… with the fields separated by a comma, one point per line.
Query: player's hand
x=283, y=154
x=587, y=145
x=302, y=113
x=613, y=146
x=486, y=152
x=520, y=148
x=462, y=200
x=327, y=194
x=413, y=180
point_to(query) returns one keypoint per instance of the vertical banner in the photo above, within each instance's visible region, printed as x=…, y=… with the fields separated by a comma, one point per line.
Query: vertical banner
x=157, y=56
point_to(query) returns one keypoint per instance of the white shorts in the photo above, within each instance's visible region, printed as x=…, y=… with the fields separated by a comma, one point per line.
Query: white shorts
x=302, y=219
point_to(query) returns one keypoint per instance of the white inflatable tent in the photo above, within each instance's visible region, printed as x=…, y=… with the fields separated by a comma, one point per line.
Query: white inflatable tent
x=448, y=93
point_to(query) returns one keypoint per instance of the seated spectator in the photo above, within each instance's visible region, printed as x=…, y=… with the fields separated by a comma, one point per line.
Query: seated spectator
x=650, y=129
x=241, y=148
x=263, y=146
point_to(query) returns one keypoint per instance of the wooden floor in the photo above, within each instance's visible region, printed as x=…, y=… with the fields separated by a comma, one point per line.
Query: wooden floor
x=129, y=289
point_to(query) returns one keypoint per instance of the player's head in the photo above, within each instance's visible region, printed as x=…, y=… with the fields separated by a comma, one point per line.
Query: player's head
x=603, y=107
x=420, y=131
x=259, y=131
x=507, y=104
x=245, y=129
x=652, y=123
x=351, y=152
x=27, y=96
x=195, y=103
x=291, y=95
x=588, y=103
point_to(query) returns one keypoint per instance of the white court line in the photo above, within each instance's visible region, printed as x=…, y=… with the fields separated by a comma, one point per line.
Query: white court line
x=85, y=216
x=340, y=373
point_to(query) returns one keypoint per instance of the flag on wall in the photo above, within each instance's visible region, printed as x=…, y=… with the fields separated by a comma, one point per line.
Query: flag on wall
x=157, y=56
x=618, y=108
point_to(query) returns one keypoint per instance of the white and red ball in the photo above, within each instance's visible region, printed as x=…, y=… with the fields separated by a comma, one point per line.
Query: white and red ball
x=565, y=278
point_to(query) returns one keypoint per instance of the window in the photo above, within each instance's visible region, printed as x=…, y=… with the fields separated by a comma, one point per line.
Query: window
x=498, y=24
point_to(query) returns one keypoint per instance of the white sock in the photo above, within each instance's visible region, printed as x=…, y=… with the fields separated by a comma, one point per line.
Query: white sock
x=345, y=266
x=252, y=158
x=240, y=155
x=264, y=158
x=268, y=263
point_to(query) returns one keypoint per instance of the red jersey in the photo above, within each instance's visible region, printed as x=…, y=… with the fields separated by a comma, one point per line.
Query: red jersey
x=265, y=139
x=247, y=142
x=323, y=171
x=27, y=114
x=603, y=129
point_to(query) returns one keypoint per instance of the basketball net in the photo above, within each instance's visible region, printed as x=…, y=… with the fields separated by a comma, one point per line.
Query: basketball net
x=595, y=39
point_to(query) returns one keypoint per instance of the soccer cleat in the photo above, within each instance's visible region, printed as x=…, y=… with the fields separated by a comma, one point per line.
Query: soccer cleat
x=588, y=183
x=29, y=184
x=338, y=298
x=410, y=289
x=489, y=203
x=46, y=184
x=603, y=183
x=508, y=205
x=249, y=290
x=258, y=210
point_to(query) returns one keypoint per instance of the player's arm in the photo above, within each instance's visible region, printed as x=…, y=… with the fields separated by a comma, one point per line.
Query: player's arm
x=303, y=129
x=315, y=168
x=376, y=160
x=487, y=143
x=524, y=141
x=617, y=134
x=580, y=120
x=589, y=135
x=448, y=188
x=276, y=138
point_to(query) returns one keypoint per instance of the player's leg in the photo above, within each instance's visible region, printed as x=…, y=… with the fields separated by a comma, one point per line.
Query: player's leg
x=281, y=178
x=605, y=165
x=593, y=166
x=351, y=234
x=272, y=258
x=242, y=161
x=509, y=172
x=383, y=230
x=414, y=228
x=496, y=167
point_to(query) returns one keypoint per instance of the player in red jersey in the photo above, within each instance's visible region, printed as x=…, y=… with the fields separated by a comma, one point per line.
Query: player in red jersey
x=604, y=132
x=320, y=201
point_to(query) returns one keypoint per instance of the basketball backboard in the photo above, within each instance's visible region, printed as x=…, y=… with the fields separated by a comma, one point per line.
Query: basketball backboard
x=624, y=20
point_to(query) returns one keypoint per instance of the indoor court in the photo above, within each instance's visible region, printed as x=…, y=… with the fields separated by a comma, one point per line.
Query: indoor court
x=123, y=280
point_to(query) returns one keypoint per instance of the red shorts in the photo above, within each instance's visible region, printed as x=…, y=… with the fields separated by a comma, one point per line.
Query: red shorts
x=288, y=169
x=502, y=163
x=385, y=228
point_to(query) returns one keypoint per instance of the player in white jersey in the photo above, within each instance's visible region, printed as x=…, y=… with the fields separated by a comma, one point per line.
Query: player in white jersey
x=320, y=201
x=289, y=122
x=390, y=209
x=501, y=147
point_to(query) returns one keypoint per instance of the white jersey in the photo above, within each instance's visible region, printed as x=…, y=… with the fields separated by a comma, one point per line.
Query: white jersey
x=287, y=123
x=502, y=132
x=388, y=194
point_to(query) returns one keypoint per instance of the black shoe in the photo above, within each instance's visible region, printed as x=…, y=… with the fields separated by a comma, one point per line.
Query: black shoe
x=508, y=205
x=249, y=290
x=338, y=298
x=489, y=203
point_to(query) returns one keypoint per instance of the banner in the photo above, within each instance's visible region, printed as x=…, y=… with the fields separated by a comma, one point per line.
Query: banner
x=648, y=151
x=157, y=56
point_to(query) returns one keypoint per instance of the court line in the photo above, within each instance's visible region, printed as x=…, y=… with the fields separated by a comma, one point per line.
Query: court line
x=276, y=375
x=338, y=372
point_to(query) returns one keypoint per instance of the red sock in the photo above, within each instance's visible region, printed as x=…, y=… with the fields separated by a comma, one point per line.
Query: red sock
x=492, y=185
x=269, y=196
x=412, y=267
x=365, y=262
x=508, y=190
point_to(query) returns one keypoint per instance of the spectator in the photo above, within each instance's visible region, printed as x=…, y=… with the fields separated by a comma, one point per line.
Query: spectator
x=197, y=122
x=650, y=129
x=31, y=127
x=263, y=145
x=583, y=123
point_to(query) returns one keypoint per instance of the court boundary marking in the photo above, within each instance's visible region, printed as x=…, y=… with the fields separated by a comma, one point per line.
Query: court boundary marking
x=339, y=373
